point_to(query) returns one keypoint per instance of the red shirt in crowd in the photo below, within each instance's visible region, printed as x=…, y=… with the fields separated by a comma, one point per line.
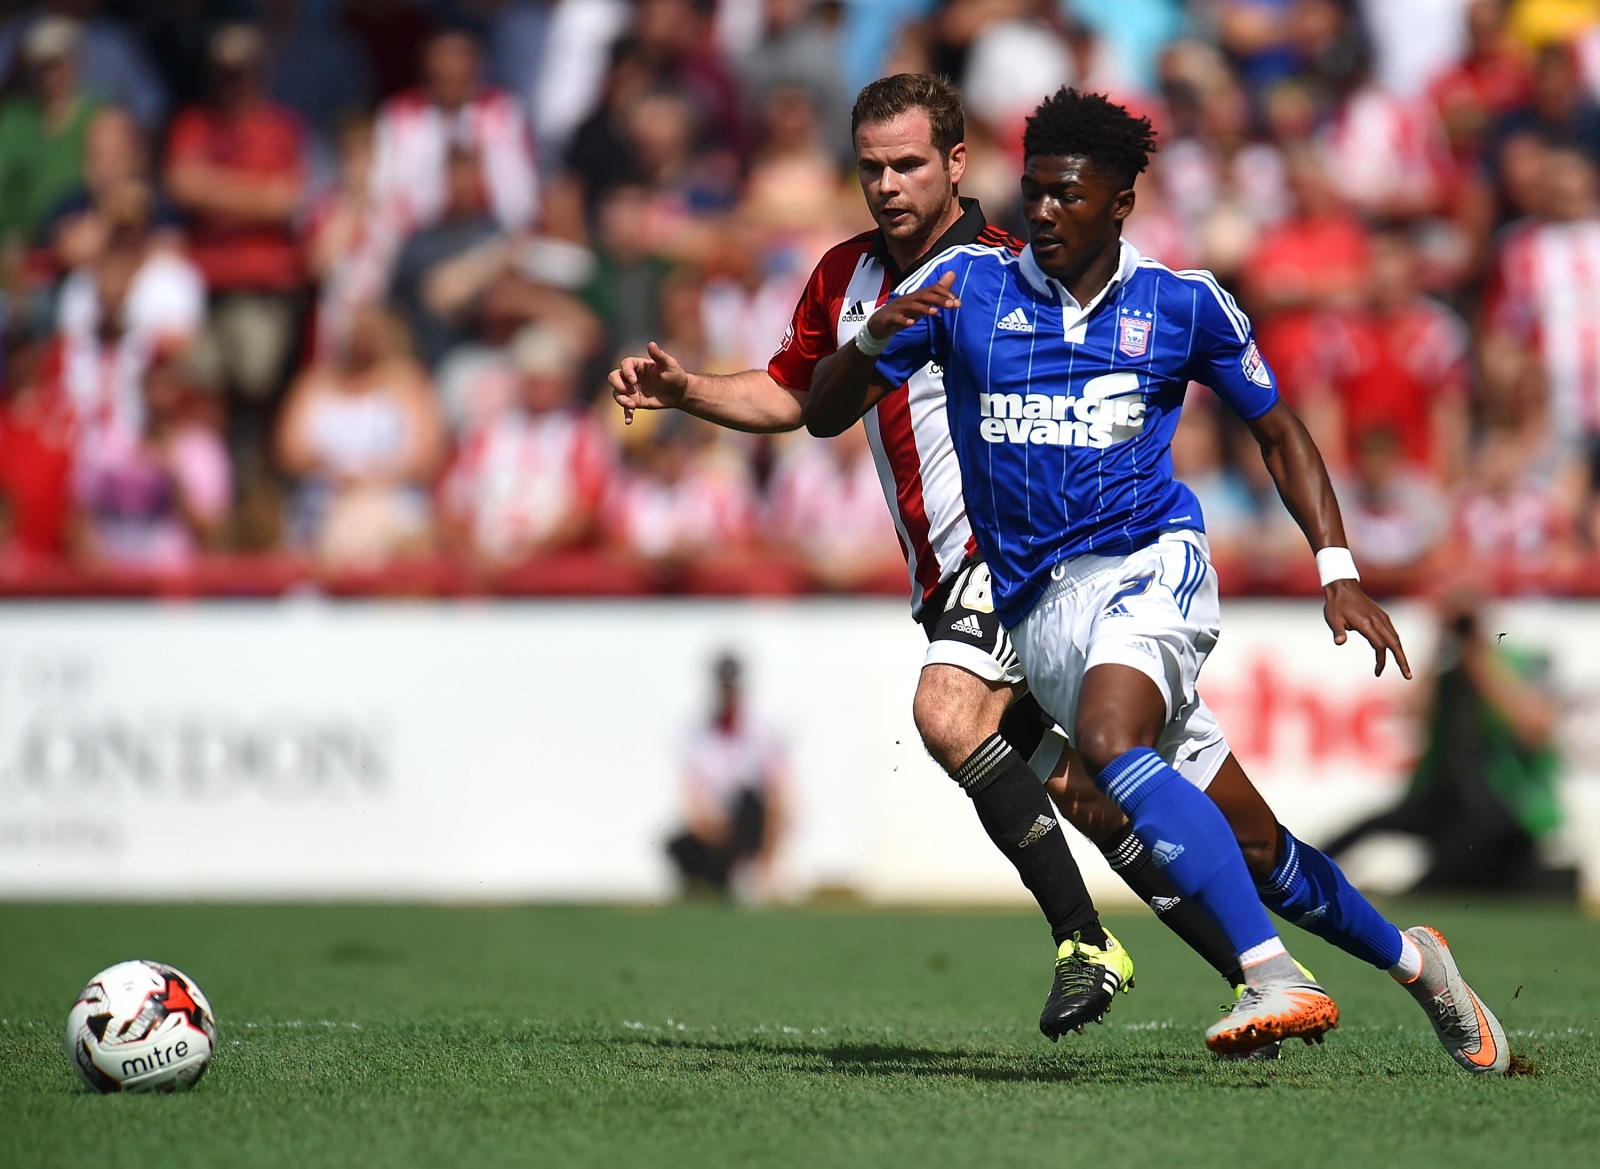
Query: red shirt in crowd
x=1305, y=262
x=36, y=474
x=1391, y=371
x=1483, y=87
x=261, y=141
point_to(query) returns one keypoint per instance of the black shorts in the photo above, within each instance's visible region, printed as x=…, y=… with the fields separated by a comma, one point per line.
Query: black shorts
x=964, y=630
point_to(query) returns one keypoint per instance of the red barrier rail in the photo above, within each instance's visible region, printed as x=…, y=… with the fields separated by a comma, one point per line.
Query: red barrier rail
x=599, y=574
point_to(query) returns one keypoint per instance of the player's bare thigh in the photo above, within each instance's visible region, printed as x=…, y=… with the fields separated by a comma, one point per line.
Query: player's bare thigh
x=1119, y=708
x=955, y=711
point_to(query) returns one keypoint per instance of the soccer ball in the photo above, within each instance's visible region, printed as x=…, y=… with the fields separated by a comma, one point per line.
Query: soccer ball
x=141, y=1027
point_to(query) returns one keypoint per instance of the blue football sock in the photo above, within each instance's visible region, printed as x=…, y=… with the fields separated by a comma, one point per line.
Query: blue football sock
x=1308, y=889
x=1190, y=841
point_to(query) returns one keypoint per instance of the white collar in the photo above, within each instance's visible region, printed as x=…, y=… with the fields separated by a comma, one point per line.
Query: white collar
x=1127, y=261
x=1075, y=317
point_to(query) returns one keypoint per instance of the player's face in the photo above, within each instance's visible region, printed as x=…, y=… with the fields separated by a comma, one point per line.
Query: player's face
x=908, y=183
x=1074, y=212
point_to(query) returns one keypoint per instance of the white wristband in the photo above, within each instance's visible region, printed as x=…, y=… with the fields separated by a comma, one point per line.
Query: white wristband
x=869, y=344
x=1336, y=564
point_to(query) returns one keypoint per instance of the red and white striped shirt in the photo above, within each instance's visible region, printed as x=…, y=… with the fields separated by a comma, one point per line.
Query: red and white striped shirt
x=827, y=505
x=1381, y=146
x=517, y=479
x=908, y=430
x=1546, y=291
x=1523, y=525
x=414, y=138
x=710, y=506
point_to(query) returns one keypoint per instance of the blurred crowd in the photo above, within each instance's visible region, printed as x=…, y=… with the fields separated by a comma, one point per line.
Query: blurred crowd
x=336, y=282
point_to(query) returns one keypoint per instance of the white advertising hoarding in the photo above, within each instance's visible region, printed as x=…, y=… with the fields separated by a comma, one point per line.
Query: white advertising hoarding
x=492, y=751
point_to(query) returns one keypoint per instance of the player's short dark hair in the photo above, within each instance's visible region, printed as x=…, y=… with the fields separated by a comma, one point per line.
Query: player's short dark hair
x=889, y=97
x=1087, y=125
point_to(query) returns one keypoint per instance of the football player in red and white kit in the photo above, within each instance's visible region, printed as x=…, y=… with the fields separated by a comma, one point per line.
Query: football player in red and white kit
x=908, y=132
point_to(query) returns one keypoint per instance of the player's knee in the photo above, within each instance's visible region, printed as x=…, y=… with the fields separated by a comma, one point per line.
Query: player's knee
x=952, y=715
x=940, y=718
x=1103, y=742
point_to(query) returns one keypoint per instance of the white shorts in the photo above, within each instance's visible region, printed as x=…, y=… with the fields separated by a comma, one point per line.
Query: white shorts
x=1156, y=611
x=964, y=630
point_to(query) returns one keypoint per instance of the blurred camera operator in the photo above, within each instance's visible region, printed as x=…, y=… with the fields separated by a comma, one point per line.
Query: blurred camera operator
x=1483, y=794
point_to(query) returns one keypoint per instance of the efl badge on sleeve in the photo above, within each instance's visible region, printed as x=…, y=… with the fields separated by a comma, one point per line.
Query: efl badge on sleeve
x=1133, y=334
x=1254, y=368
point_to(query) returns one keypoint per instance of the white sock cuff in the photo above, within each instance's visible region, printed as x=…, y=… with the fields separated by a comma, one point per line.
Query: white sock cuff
x=1270, y=948
x=1410, y=965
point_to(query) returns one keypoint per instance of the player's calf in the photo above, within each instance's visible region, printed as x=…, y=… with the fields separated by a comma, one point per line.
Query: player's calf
x=1307, y=888
x=1017, y=816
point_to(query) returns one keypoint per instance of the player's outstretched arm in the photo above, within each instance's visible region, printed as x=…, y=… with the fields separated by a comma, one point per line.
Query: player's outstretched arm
x=845, y=384
x=1302, y=478
x=753, y=400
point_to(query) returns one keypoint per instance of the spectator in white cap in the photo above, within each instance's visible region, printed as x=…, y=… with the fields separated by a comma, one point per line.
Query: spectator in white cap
x=42, y=128
x=112, y=62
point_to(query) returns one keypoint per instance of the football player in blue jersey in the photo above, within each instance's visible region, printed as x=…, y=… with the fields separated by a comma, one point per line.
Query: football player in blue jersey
x=1065, y=370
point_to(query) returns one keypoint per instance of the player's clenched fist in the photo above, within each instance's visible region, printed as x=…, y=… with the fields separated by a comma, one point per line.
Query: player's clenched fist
x=656, y=382
x=904, y=311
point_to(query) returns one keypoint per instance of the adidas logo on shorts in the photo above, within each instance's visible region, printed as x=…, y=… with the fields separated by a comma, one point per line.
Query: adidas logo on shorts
x=1015, y=321
x=969, y=625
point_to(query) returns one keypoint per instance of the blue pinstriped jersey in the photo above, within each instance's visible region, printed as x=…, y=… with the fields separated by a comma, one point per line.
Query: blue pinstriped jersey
x=1063, y=415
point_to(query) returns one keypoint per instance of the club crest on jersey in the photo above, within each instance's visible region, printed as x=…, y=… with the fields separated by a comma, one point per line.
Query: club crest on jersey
x=1133, y=334
x=1254, y=368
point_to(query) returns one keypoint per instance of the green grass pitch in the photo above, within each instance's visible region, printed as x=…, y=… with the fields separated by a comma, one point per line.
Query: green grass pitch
x=705, y=1036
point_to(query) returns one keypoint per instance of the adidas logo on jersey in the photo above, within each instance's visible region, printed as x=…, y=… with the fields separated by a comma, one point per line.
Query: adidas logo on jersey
x=1111, y=410
x=1165, y=852
x=1041, y=829
x=1015, y=321
x=969, y=625
x=854, y=315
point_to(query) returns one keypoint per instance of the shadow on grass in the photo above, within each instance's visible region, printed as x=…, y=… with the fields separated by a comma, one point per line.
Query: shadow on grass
x=1064, y=1064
